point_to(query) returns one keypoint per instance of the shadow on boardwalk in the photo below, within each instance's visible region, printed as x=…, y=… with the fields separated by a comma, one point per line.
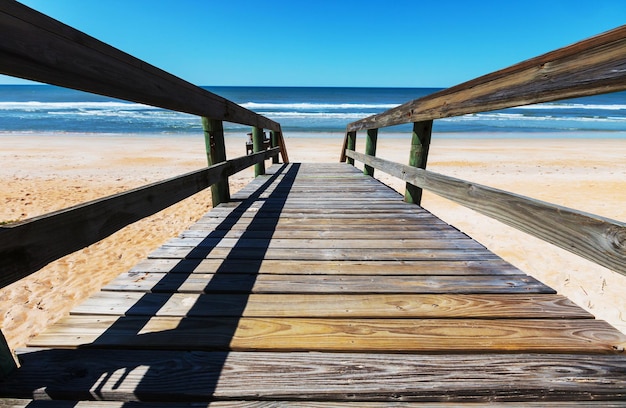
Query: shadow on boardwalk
x=98, y=374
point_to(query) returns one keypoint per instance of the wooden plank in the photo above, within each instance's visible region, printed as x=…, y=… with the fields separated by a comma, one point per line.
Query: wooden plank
x=309, y=377
x=598, y=239
x=341, y=267
x=589, y=67
x=336, y=335
x=331, y=284
x=324, y=243
x=28, y=245
x=329, y=254
x=335, y=306
x=23, y=403
x=39, y=48
x=426, y=233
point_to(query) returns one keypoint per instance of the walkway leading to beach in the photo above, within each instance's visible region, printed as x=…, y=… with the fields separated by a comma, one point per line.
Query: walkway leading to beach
x=318, y=283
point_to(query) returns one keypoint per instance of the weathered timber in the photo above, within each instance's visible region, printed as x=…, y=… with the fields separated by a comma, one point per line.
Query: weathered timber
x=349, y=142
x=330, y=254
x=589, y=67
x=37, y=47
x=335, y=335
x=258, y=143
x=309, y=377
x=370, y=149
x=420, y=144
x=330, y=284
x=393, y=305
x=216, y=153
x=592, y=237
x=31, y=244
x=341, y=267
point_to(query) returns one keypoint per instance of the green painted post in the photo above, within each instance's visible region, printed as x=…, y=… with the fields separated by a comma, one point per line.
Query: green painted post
x=216, y=153
x=370, y=149
x=7, y=362
x=274, y=136
x=420, y=142
x=257, y=146
x=351, y=145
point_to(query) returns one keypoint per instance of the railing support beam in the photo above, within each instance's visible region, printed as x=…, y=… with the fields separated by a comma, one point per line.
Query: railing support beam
x=257, y=146
x=370, y=149
x=274, y=143
x=420, y=143
x=349, y=144
x=216, y=153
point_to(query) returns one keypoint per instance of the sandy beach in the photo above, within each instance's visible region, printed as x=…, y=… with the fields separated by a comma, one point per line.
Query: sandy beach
x=45, y=173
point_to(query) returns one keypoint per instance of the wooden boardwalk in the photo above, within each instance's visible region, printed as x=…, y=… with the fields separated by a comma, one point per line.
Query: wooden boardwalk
x=319, y=284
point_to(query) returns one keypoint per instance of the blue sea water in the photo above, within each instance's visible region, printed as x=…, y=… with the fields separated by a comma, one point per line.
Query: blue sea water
x=49, y=109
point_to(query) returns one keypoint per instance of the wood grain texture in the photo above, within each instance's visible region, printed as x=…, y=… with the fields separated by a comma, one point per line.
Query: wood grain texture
x=592, y=237
x=200, y=376
x=341, y=267
x=339, y=284
x=336, y=335
x=29, y=245
x=39, y=48
x=392, y=305
x=593, y=66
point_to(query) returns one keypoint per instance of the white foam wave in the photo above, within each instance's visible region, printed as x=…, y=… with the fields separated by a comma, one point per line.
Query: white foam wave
x=316, y=106
x=315, y=115
x=553, y=106
x=38, y=106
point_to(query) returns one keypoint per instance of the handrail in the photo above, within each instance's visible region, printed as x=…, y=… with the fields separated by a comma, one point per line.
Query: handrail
x=592, y=237
x=37, y=47
x=590, y=67
x=593, y=66
x=27, y=246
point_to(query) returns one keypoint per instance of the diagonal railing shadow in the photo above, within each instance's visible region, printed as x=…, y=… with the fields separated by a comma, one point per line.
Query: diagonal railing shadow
x=144, y=309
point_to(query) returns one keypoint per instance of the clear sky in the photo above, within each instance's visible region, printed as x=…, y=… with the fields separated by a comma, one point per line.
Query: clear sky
x=390, y=43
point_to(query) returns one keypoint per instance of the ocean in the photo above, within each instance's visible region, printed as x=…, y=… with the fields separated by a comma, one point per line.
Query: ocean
x=46, y=109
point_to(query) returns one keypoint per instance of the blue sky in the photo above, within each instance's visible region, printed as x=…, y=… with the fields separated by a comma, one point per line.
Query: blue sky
x=392, y=43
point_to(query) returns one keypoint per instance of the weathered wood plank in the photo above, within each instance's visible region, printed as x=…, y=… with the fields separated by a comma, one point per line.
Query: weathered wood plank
x=339, y=284
x=429, y=233
x=589, y=67
x=22, y=403
x=337, y=335
x=329, y=254
x=341, y=267
x=324, y=243
x=592, y=237
x=29, y=245
x=302, y=377
x=343, y=306
x=42, y=49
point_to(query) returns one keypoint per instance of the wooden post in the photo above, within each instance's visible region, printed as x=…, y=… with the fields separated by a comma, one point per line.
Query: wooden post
x=7, y=361
x=216, y=153
x=274, y=137
x=350, y=145
x=420, y=143
x=370, y=149
x=257, y=146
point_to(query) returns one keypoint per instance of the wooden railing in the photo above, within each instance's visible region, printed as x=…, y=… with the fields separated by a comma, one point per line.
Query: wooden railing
x=593, y=66
x=39, y=48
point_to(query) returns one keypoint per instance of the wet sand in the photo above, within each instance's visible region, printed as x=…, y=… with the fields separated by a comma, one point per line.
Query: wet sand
x=40, y=174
